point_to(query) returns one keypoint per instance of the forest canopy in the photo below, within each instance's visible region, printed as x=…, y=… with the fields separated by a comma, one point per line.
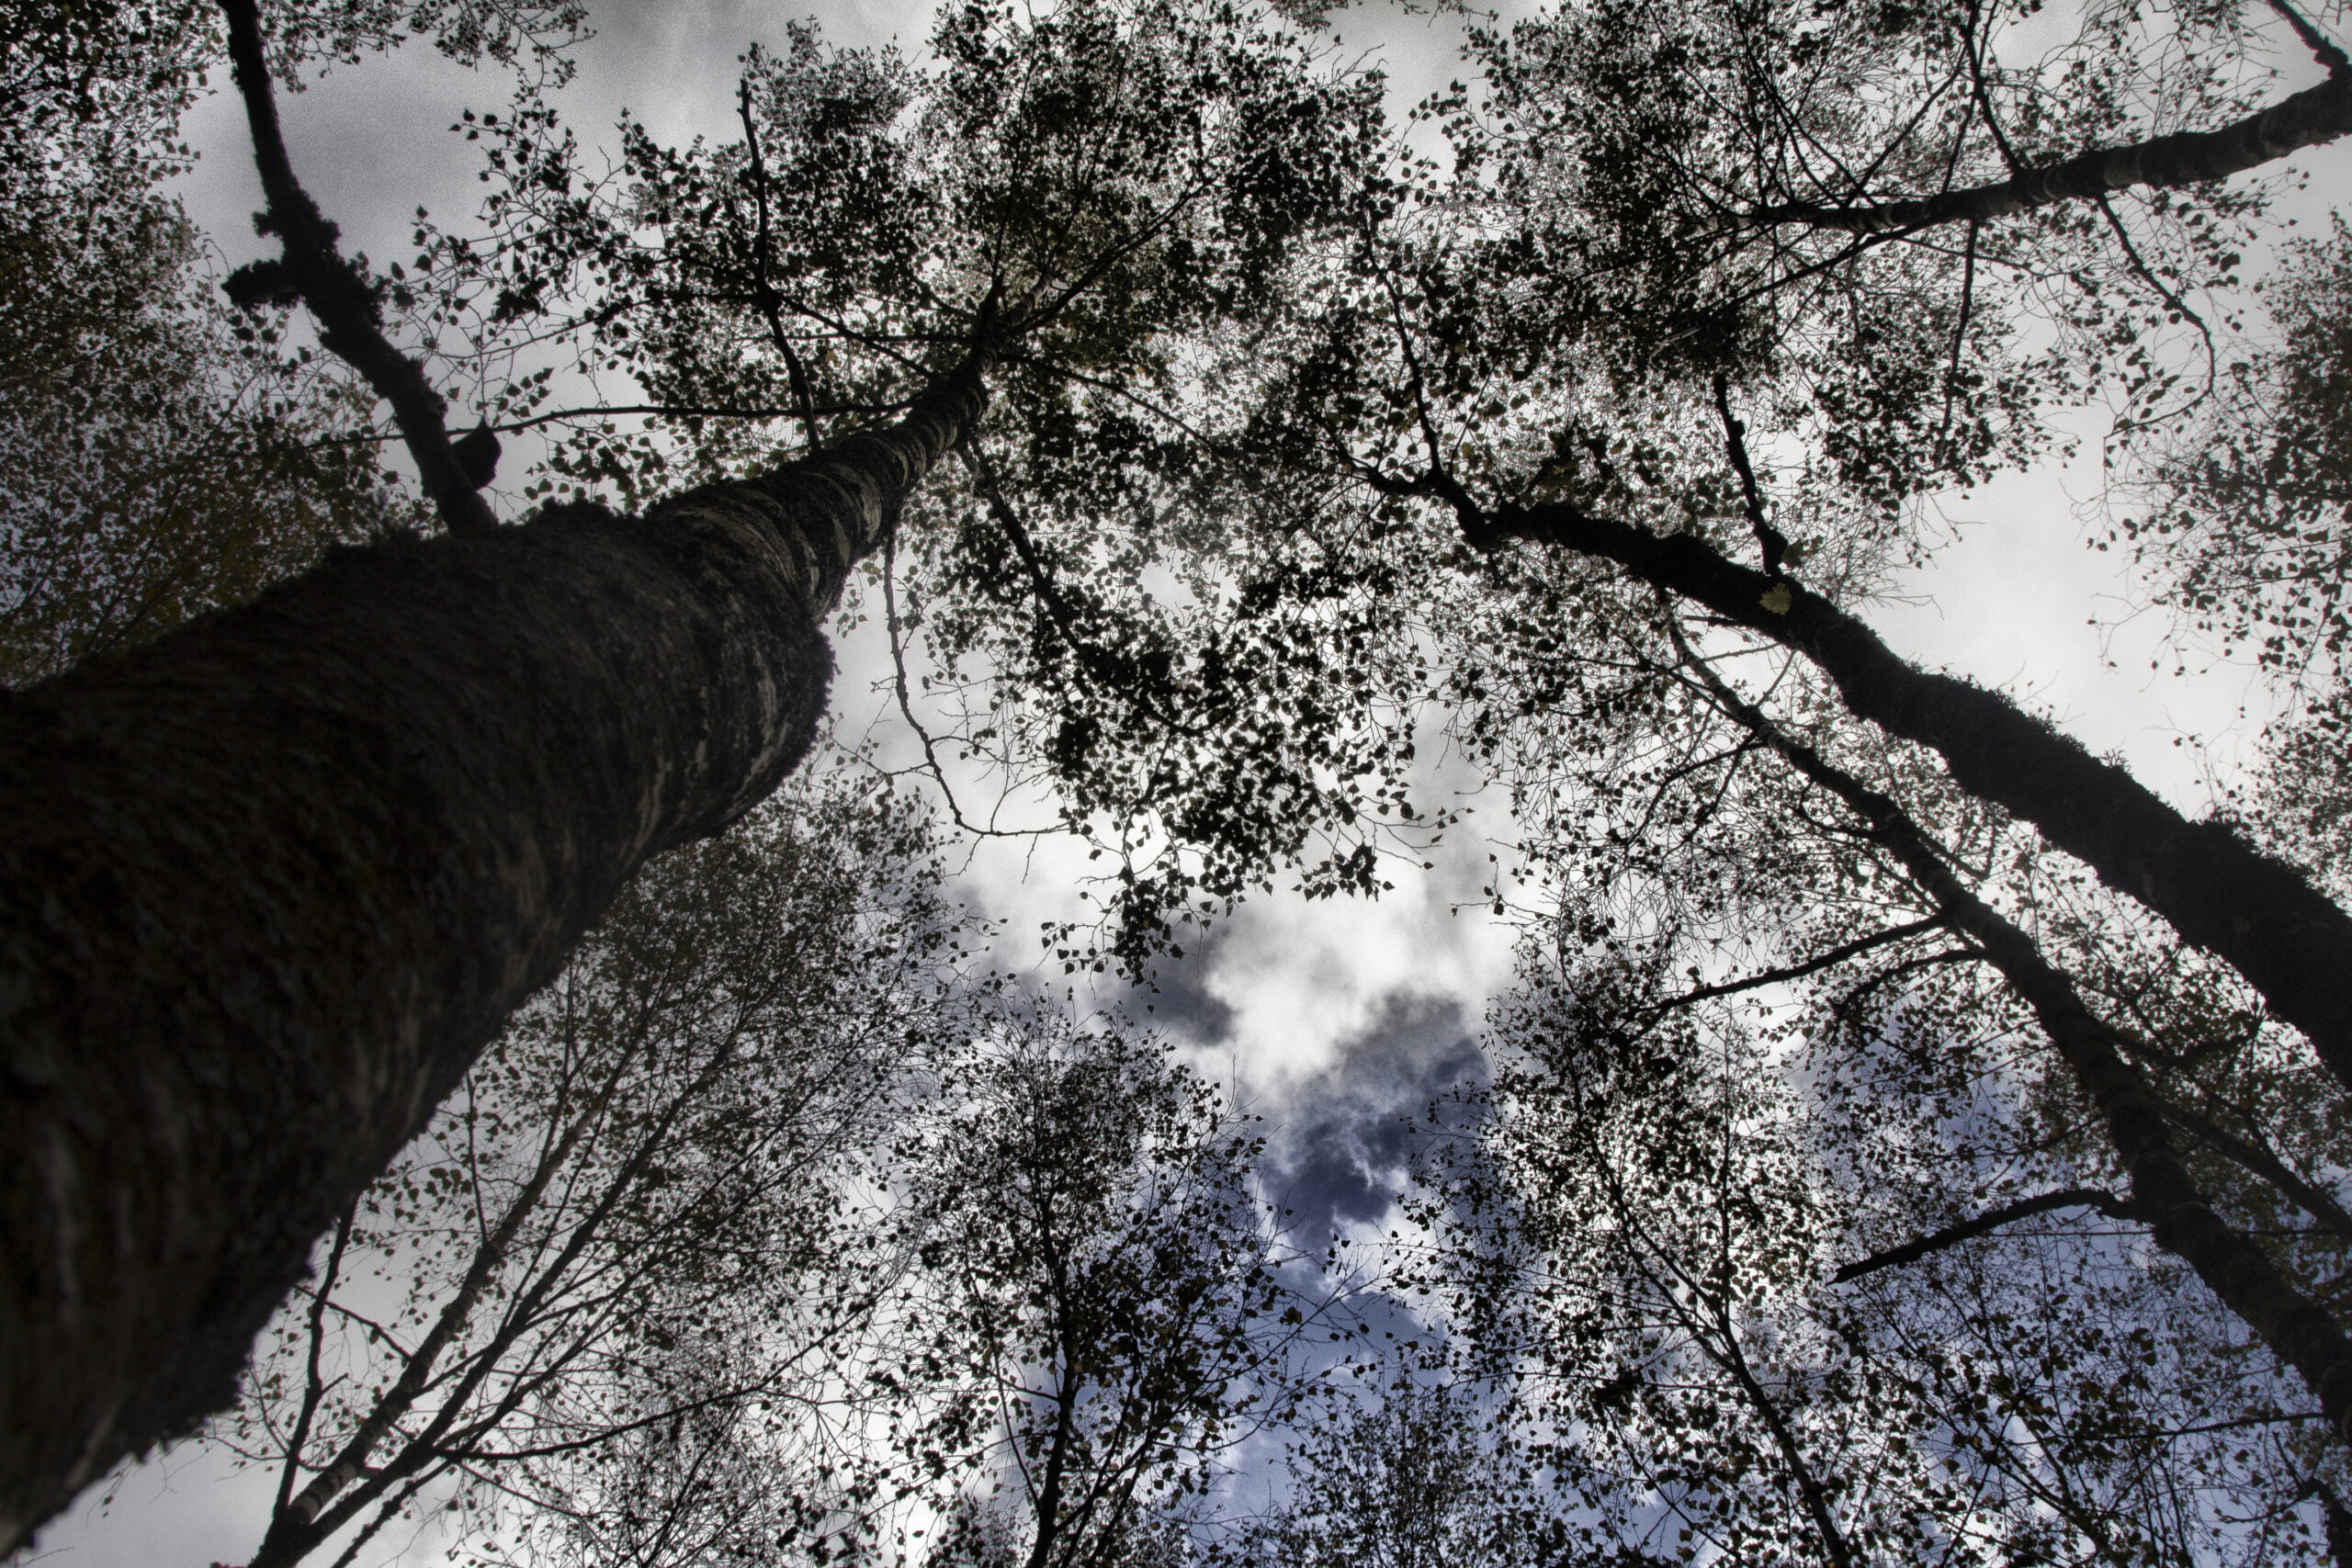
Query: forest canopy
x=482, y=1048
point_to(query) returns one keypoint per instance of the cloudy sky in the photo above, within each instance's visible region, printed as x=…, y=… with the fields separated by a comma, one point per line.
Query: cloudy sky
x=1333, y=1019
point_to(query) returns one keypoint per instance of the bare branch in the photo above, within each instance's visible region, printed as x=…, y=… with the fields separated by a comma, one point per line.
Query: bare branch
x=350, y=318
x=1991, y=1220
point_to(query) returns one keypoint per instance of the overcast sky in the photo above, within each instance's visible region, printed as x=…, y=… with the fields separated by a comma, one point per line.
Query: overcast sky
x=1332, y=1018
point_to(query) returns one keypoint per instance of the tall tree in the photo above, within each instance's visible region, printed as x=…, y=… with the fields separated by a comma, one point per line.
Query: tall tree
x=1550, y=372
x=1701, y=915
x=415, y=776
x=1108, y=1291
x=1196, y=365
x=1409, y=1472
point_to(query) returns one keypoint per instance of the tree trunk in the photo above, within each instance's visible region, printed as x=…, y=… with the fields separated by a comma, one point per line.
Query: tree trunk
x=268, y=885
x=2219, y=892
x=2299, y=1331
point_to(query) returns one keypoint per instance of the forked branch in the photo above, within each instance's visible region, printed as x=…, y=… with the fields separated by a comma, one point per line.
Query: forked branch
x=311, y=269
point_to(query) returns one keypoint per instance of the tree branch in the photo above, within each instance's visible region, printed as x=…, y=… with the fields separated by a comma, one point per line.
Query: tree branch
x=1835, y=956
x=2256, y=912
x=2316, y=115
x=2322, y=49
x=1991, y=1220
x=350, y=318
x=771, y=307
x=2297, y=1329
x=1768, y=539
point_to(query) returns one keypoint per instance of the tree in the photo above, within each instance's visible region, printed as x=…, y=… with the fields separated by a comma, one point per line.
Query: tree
x=1107, y=1293
x=647, y=1213
x=1552, y=368
x=1660, y=1207
x=1334, y=335
x=1409, y=1475
x=416, y=775
x=1703, y=925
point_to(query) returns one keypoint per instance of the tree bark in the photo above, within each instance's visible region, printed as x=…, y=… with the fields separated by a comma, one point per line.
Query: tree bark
x=2308, y=119
x=2298, y=1330
x=268, y=885
x=2219, y=892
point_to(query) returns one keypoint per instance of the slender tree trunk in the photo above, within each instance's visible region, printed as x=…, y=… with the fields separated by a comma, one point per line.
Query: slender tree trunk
x=268, y=885
x=1807, y=1486
x=2219, y=892
x=2298, y=1330
x=2308, y=119
x=294, y=1526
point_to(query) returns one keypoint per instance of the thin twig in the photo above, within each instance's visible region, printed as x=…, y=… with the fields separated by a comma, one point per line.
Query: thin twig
x=906, y=702
x=771, y=307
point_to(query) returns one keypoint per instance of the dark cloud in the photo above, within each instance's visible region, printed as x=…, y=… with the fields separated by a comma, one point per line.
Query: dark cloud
x=1342, y=1139
x=1177, y=998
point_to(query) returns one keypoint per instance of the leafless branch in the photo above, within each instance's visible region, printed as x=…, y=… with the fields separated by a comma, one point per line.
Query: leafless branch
x=311, y=269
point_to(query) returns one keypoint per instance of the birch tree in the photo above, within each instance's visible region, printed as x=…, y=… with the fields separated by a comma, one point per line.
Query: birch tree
x=1333, y=408
x=415, y=775
x=1115, y=1308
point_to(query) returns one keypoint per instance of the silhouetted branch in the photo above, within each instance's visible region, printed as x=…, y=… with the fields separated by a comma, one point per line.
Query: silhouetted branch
x=1835, y=956
x=2323, y=51
x=1991, y=1220
x=2221, y=893
x=2315, y=114
x=771, y=306
x=2164, y=1195
x=1768, y=539
x=311, y=270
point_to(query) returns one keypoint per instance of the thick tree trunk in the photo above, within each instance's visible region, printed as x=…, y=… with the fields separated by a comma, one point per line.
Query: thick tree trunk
x=2310, y=117
x=268, y=885
x=2218, y=891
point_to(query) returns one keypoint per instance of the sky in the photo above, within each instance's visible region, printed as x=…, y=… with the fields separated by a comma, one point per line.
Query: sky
x=1333, y=1019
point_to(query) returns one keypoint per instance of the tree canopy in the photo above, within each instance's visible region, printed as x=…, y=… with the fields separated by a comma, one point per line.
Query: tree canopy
x=1912, y=1134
